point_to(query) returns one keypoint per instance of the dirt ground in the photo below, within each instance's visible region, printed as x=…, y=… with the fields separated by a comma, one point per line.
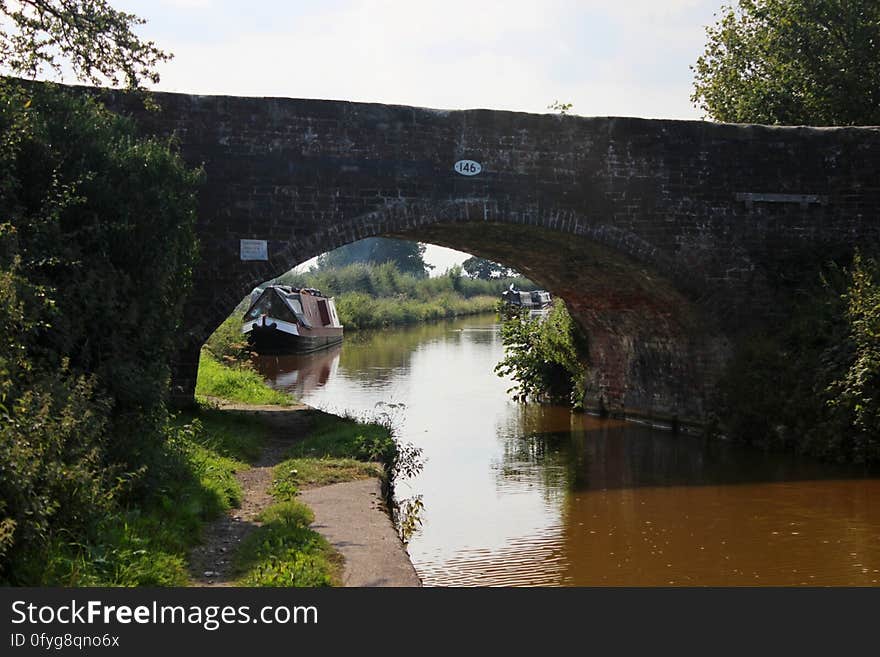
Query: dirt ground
x=351, y=515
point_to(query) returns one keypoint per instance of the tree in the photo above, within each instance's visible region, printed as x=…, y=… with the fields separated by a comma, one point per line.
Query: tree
x=96, y=250
x=792, y=62
x=486, y=269
x=97, y=42
x=408, y=257
x=809, y=382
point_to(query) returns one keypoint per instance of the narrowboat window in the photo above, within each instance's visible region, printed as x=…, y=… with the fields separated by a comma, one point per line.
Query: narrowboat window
x=272, y=306
x=260, y=308
x=296, y=305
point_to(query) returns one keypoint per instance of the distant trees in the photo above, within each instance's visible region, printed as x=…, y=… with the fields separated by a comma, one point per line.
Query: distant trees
x=792, y=62
x=407, y=256
x=486, y=269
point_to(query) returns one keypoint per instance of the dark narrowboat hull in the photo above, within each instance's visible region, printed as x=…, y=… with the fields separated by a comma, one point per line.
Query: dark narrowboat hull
x=270, y=340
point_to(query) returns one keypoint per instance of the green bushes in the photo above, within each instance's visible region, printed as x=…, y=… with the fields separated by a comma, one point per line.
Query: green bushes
x=53, y=479
x=96, y=248
x=189, y=479
x=545, y=356
x=812, y=385
x=386, y=280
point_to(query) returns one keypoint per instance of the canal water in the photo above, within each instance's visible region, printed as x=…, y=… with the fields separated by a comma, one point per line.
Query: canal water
x=518, y=495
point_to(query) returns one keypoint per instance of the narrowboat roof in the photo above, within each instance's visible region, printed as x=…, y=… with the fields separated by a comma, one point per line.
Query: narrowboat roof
x=296, y=300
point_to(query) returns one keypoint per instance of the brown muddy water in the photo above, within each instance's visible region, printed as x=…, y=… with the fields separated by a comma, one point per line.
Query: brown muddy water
x=519, y=495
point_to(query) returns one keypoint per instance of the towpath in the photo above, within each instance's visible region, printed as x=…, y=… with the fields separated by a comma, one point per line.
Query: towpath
x=351, y=516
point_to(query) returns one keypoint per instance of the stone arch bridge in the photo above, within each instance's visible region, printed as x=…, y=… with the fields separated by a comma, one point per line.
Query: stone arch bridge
x=668, y=240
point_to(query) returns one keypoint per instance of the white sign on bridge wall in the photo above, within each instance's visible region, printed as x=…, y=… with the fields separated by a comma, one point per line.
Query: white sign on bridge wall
x=467, y=167
x=254, y=250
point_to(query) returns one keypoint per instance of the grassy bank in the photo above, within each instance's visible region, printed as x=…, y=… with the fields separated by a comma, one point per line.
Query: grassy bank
x=284, y=551
x=236, y=383
x=189, y=481
x=192, y=482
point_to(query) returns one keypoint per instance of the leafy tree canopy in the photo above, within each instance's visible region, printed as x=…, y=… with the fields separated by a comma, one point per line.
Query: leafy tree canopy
x=486, y=269
x=89, y=38
x=408, y=257
x=792, y=62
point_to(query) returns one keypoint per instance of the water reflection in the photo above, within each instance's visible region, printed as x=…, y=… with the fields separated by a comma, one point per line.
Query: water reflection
x=300, y=373
x=525, y=495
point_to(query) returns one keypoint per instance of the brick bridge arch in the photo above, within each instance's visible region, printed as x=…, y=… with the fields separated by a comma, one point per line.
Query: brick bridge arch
x=667, y=239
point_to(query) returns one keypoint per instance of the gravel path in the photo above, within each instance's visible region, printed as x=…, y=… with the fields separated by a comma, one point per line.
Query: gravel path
x=351, y=515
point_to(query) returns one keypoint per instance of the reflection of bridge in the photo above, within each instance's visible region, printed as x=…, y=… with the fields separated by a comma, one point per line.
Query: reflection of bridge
x=665, y=238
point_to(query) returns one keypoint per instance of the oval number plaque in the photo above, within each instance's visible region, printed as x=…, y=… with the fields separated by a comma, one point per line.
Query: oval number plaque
x=468, y=167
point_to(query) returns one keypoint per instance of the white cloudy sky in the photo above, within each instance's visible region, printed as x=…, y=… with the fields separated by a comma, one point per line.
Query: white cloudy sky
x=623, y=58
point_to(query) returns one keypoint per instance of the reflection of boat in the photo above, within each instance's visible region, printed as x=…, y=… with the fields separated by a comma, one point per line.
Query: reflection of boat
x=535, y=299
x=284, y=319
x=300, y=374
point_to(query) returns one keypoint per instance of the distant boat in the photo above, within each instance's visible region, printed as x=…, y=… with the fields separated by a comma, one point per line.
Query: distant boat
x=285, y=319
x=534, y=300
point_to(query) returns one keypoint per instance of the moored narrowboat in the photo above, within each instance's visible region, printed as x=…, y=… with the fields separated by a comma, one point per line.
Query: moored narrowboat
x=535, y=300
x=285, y=319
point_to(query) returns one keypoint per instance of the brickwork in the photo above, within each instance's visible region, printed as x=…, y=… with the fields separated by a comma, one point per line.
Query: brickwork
x=664, y=237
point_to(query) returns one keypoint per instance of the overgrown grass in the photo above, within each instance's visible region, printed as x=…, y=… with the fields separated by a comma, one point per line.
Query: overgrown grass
x=239, y=384
x=332, y=436
x=190, y=480
x=285, y=552
x=227, y=344
x=293, y=475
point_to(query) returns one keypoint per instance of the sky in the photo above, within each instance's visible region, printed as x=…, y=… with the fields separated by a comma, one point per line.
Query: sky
x=624, y=58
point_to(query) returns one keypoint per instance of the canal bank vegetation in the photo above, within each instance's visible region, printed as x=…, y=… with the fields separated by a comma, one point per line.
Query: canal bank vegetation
x=545, y=356
x=372, y=295
x=96, y=246
x=99, y=483
x=236, y=383
x=284, y=551
x=811, y=383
